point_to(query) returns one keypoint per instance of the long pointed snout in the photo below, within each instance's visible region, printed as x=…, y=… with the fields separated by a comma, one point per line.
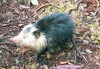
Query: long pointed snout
x=15, y=39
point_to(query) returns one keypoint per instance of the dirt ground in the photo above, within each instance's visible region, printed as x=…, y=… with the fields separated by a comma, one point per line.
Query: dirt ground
x=14, y=15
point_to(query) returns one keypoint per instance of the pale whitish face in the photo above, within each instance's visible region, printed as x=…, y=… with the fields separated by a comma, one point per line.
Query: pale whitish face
x=26, y=37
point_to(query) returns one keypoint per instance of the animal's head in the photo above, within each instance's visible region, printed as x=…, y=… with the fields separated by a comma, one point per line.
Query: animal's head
x=30, y=36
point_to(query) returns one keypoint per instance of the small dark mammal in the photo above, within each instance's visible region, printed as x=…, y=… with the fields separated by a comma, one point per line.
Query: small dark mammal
x=50, y=31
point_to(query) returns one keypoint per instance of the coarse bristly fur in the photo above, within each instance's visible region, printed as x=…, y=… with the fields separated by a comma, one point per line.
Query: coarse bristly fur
x=52, y=30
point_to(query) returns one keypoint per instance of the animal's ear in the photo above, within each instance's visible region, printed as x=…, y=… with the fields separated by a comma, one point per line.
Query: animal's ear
x=36, y=33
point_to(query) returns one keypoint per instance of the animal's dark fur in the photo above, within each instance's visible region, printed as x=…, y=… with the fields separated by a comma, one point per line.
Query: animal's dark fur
x=57, y=28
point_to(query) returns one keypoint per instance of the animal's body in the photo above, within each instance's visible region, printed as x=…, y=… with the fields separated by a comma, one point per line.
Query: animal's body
x=50, y=31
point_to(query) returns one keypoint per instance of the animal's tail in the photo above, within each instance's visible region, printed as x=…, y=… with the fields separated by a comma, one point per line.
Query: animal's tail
x=73, y=42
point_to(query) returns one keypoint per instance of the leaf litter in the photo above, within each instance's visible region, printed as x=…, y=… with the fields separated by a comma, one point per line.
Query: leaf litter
x=86, y=15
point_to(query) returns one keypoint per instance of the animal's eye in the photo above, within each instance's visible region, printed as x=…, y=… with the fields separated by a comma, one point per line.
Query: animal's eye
x=36, y=33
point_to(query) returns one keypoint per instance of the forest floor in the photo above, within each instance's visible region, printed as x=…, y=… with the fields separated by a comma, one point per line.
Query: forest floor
x=14, y=15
